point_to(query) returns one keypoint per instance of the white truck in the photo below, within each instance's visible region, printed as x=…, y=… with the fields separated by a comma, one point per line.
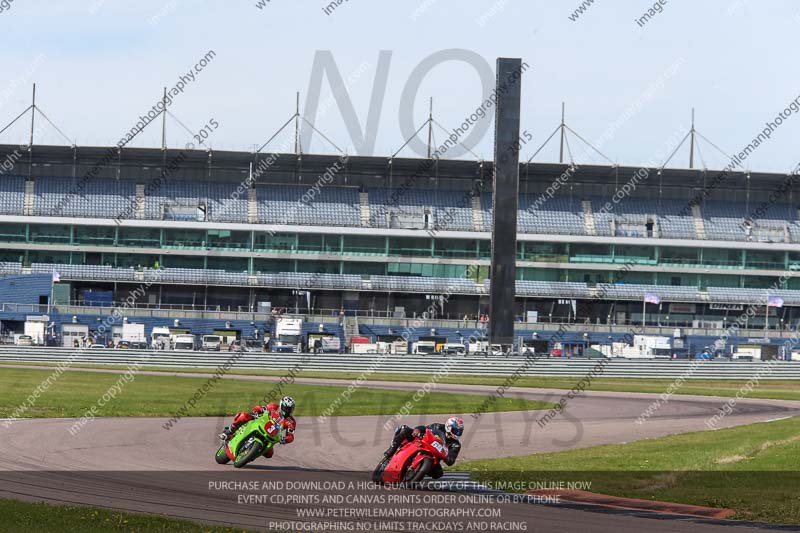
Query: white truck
x=364, y=348
x=644, y=347
x=424, y=347
x=331, y=345
x=160, y=338
x=184, y=342
x=478, y=347
x=288, y=335
x=394, y=347
x=212, y=343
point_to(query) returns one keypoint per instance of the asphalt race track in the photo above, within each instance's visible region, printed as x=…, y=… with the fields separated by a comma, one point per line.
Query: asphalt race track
x=135, y=464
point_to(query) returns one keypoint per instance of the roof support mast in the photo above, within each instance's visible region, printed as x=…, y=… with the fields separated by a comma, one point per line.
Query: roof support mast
x=163, y=135
x=164, y=121
x=33, y=113
x=297, y=124
x=561, y=148
x=30, y=140
x=691, y=145
x=430, y=126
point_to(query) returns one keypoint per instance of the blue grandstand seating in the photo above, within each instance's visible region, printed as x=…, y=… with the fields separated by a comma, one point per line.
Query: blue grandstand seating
x=451, y=210
x=544, y=289
x=551, y=289
x=12, y=195
x=637, y=291
x=221, y=200
x=559, y=215
x=726, y=221
x=423, y=284
x=89, y=272
x=331, y=206
x=309, y=280
x=102, y=198
x=226, y=204
x=10, y=269
x=737, y=295
x=671, y=222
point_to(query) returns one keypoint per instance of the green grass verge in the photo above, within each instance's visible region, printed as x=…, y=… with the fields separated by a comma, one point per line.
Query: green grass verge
x=772, y=389
x=74, y=392
x=752, y=469
x=43, y=518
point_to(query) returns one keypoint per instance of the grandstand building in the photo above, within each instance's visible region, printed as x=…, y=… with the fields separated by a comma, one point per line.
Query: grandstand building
x=316, y=234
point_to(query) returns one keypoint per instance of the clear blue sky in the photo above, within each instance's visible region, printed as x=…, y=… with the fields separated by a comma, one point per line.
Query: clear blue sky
x=105, y=63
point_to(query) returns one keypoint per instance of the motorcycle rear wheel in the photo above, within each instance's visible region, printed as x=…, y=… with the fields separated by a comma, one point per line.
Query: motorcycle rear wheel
x=248, y=454
x=221, y=457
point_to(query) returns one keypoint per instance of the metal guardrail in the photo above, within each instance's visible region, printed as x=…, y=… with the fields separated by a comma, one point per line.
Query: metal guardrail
x=581, y=327
x=473, y=365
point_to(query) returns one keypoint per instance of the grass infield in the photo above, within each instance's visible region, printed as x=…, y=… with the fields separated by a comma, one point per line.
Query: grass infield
x=767, y=389
x=753, y=469
x=74, y=392
x=44, y=518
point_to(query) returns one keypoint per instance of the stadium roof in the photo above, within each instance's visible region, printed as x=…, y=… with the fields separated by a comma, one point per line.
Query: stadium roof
x=373, y=166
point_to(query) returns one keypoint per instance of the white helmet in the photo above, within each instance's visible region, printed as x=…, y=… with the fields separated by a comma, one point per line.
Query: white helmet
x=287, y=406
x=454, y=426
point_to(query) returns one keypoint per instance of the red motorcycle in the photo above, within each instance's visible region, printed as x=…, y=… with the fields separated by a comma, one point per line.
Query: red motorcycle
x=412, y=462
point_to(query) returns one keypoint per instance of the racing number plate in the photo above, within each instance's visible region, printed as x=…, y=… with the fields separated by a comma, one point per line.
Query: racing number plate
x=271, y=429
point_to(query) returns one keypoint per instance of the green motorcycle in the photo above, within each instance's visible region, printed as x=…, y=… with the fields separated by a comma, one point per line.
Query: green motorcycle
x=250, y=441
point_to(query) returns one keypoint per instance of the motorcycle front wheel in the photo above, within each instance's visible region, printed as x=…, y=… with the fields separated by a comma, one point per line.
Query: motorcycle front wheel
x=377, y=474
x=221, y=457
x=415, y=475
